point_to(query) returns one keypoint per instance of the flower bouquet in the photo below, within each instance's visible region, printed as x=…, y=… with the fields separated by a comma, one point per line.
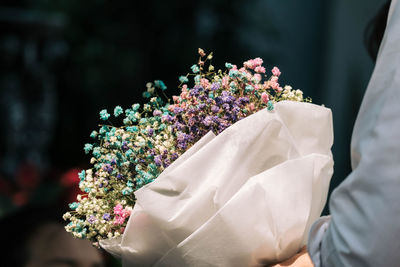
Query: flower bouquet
x=231, y=173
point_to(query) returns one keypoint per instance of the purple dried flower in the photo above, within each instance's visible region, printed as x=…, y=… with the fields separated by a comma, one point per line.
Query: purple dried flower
x=194, y=130
x=124, y=146
x=166, y=163
x=215, y=109
x=178, y=110
x=174, y=156
x=215, y=86
x=107, y=216
x=191, y=110
x=202, y=97
x=179, y=126
x=108, y=168
x=158, y=160
x=207, y=121
x=166, y=118
x=243, y=100
x=191, y=121
x=92, y=219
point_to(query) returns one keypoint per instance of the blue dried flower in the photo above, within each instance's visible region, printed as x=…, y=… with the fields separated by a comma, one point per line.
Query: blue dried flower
x=104, y=115
x=129, y=183
x=87, y=148
x=233, y=73
x=160, y=84
x=128, y=153
x=82, y=175
x=104, y=129
x=248, y=88
x=195, y=68
x=126, y=191
x=270, y=105
x=132, y=129
x=183, y=79
x=135, y=107
x=118, y=111
x=228, y=65
x=73, y=205
x=96, y=152
x=146, y=94
x=93, y=134
x=233, y=86
x=197, y=79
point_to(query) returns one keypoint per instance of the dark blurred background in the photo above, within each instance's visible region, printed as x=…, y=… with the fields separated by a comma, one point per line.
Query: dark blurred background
x=62, y=61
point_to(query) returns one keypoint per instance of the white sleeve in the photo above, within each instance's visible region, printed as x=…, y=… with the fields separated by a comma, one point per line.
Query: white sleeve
x=364, y=227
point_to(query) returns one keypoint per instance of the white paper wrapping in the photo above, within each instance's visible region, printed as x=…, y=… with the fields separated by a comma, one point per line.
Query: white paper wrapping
x=243, y=198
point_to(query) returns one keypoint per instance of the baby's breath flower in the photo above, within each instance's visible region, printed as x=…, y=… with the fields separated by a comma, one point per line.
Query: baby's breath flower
x=228, y=65
x=87, y=148
x=183, y=79
x=195, y=68
x=104, y=115
x=118, y=111
x=160, y=84
x=93, y=134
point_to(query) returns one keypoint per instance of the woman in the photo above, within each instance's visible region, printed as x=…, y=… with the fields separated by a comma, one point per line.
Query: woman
x=364, y=224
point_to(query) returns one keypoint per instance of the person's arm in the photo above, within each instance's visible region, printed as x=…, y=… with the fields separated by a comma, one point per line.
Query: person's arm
x=365, y=209
x=364, y=226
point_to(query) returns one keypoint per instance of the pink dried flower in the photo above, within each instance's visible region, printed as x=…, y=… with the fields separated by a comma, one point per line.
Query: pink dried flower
x=274, y=85
x=204, y=83
x=171, y=108
x=249, y=64
x=251, y=106
x=260, y=69
x=119, y=220
x=257, y=61
x=257, y=77
x=184, y=94
x=175, y=99
x=248, y=76
x=264, y=97
x=276, y=71
x=225, y=81
x=126, y=213
x=118, y=209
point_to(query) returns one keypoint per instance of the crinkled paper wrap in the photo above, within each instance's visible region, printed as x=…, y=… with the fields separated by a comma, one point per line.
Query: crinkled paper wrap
x=243, y=198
